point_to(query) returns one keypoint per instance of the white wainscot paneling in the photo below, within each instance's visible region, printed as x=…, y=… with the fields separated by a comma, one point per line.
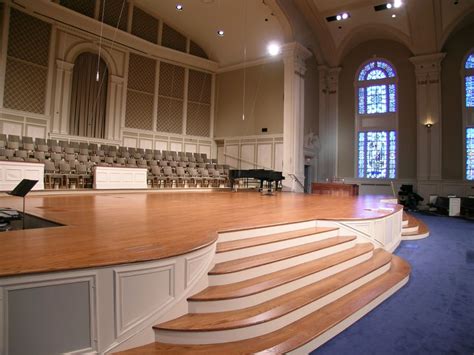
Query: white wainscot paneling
x=177, y=147
x=206, y=149
x=12, y=128
x=161, y=145
x=119, y=178
x=278, y=157
x=195, y=266
x=190, y=148
x=426, y=190
x=264, y=156
x=12, y=172
x=247, y=156
x=142, y=292
x=146, y=144
x=130, y=142
x=36, y=131
x=452, y=189
x=232, y=154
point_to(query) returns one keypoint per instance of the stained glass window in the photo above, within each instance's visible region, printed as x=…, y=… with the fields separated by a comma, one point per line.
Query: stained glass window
x=469, y=62
x=469, y=80
x=379, y=98
x=377, y=155
x=470, y=153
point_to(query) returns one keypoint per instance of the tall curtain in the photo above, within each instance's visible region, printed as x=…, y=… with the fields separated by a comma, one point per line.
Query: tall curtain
x=88, y=97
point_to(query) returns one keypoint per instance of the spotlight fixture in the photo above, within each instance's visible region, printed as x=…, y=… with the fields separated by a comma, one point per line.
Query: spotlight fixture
x=273, y=49
x=179, y=7
x=393, y=15
x=338, y=17
x=220, y=33
x=428, y=125
x=389, y=6
x=397, y=3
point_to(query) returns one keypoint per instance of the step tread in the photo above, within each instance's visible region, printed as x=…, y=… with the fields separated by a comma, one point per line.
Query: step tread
x=281, y=277
x=278, y=255
x=231, y=245
x=300, y=332
x=279, y=306
x=422, y=229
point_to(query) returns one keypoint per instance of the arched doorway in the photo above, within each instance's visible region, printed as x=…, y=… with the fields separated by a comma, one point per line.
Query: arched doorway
x=88, y=96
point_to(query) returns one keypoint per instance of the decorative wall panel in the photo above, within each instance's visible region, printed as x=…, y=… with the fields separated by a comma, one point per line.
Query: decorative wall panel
x=144, y=26
x=198, y=120
x=115, y=13
x=141, y=73
x=173, y=39
x=171, y=80
x=139, y=112
x=199, y=87
x=85, y=7
x=170, y=115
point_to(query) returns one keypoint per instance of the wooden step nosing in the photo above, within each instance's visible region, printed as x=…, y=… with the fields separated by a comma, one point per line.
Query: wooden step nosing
x=415, y=236
x=234, y=269
x=305, y=233
x=356, y=251
x=271, y=247
x=248, y=273
x=264, y=296
x=262, y=327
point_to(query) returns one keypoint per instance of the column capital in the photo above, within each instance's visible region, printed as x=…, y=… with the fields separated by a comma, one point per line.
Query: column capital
x=296, y=54
x=429, y=63
x=61, y=64
x=328, y=78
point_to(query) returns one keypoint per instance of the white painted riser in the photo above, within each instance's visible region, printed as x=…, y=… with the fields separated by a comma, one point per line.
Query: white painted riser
x=258, y=232
x=213, y=337
x=228, y=278
x=331, y=333
x=409, y=230
x=248, y=301
x=404, y=223
x=260, y=249
x=415, y=236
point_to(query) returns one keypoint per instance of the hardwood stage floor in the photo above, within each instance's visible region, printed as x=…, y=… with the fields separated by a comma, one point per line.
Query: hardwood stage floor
x=118, y=228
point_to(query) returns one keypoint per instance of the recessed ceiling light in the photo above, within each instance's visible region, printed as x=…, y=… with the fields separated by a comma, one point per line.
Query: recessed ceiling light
x=393, y=16
x=220, y=33
x=389, y=6
x=273, y=49
x=179, y=7
x=397, y=3
x=345, y=15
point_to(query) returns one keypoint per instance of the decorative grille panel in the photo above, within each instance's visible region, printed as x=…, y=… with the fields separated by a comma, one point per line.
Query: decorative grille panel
x=144, y=26
x=169, y=115
x=199, y=87
x=85, y=7
x=115, y=10
x=171, y=81
x=28, y=38
x=139, y=112
x=141, y=73
x=198, y=120
x=194, y=49
x=25, y=86
x=173, y=39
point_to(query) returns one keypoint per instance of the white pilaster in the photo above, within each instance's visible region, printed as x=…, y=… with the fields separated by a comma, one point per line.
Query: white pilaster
x=114, y=111
x=294, y=56
x=62, y=96
x=328, y=122
x=428, y=95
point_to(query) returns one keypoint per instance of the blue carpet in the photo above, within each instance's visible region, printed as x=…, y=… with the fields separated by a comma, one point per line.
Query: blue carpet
x=434, y=312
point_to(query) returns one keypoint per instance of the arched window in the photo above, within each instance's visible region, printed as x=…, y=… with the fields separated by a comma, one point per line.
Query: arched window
x=88, y=96
x=468, y=74
x=376, y=95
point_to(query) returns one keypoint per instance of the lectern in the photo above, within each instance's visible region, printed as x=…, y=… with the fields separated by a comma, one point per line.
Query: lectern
x=21, y=190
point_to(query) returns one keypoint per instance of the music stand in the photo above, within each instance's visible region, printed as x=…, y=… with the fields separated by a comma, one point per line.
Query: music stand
x=21, y=190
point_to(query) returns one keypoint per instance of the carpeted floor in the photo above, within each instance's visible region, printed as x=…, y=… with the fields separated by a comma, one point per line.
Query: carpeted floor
x=434, y=312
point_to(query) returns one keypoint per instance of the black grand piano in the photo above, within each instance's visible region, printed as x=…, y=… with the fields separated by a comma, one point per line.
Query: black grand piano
x=270, y=176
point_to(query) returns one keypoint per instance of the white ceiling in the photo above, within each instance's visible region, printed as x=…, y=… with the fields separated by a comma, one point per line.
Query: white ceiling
x=242, y=20
x=421, y=25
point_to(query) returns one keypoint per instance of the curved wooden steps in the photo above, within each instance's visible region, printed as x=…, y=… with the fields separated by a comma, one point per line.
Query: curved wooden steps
x=260, y=264
x=306, y=333
x=269, y=281
x=414, y=228
x=279, y=306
